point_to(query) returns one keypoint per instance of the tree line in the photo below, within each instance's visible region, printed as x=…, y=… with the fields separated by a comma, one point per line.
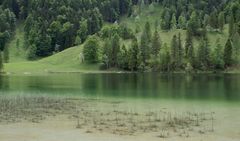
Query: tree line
x=51, y=26
x=150, y=53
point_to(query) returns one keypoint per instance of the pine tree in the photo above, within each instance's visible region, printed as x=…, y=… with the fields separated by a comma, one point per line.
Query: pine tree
x=189, y=46
x=221, y=21
x=193, y=23
x=236, y=47
x=145, y=44
x=6, y=54
x=148, y=32
x=228, y=51
x=115, y=50
x=180, y=52
x=1, y=62
x=134, y=55
x=231, y=25
x=214, y=20
x=182, y=22
x=156, y=44
x=203, y=54
x=173, y=22
x=174, y=52
x=218, y=56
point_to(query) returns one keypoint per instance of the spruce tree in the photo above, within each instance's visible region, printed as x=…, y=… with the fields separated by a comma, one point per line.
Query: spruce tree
x=203, y=55
x=174, y=52
x=231, y=25
x=115, y=50
x=156, y=44
x=180, y=51
x=218, y=56
x=173, y=22
x=148, y=32
x=189, y=46
x=221, y=21
x=145, y=43
x=6, y=54
x=228, y=51
x=1, y=62
x=182, y=22
x=134, y=55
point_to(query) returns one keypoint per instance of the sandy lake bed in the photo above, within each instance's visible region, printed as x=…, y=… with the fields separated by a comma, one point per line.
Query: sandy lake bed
x=41, y=118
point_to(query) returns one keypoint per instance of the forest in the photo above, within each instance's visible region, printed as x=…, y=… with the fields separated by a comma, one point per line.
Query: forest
x=51, y=26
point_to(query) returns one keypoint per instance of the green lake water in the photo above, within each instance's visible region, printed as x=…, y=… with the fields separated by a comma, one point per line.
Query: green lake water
x=203, y=87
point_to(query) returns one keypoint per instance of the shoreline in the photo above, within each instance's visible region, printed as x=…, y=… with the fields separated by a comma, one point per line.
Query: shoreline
x=113, y=72
x=92, y=119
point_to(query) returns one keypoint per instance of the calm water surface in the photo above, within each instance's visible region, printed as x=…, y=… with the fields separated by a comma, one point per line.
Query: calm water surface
x=217, y=87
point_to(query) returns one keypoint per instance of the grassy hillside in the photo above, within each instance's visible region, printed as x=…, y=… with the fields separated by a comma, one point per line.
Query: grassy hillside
x=68, y=60
x=153, y=15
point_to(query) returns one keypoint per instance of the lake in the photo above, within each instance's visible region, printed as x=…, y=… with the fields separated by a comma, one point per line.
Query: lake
x=121, y=107
x=216, y=87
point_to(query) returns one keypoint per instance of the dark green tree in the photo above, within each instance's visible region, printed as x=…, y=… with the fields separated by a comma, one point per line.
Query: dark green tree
x=134, y=55
x=115, y=50
x=180, y=52
x=1, y=62
x=174, y=52
x=6, y=54
x=156, y=44
x=228, y=51
x=90, y=50
x=203, y=55
x=221, y=21
x=231, y=25
x=218, y=56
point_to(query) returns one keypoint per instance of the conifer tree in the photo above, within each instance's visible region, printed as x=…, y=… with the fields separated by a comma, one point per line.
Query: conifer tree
x=115, y=50
x=189, y=46
x=1, y=62
x=218, y=56
x=221, y=21
x=145, y=43
x=6, y=54
x=174, y=52
x=134, y=55
x=173, y=22
x=203, y=54
x=156, y=44
x=180, y=51
x=228, y=51
x=231, y=25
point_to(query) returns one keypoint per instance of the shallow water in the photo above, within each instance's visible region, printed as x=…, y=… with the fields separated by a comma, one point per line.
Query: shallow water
x=177, y=94
x=199, y=87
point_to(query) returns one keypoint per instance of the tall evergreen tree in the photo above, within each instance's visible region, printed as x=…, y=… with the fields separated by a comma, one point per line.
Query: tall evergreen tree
x=115, y=50
x=180, y=52
x=228, y=51
x=221, y=21
x=174, y=22
x=203, y=54
x=174, y=52
x=231, y=25
x=156, y=44
x=145, y=44
x=134, y=55
x=218, y=56
x=6, y=54
x=148, y=32
x=1, y=62
x=189, y=46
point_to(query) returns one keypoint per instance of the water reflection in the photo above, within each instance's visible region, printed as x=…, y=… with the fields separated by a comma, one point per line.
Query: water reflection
x=154, y=85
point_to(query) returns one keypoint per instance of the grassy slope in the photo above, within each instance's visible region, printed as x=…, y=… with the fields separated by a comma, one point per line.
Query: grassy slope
x=68, y=60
